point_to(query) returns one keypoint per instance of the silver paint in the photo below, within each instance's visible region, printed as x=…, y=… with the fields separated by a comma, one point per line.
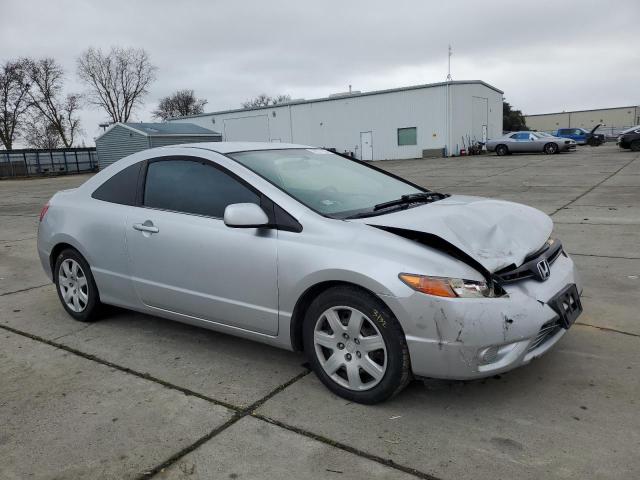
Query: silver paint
x=247, y=281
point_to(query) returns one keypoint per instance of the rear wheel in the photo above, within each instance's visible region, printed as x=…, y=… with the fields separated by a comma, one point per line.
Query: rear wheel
x=76, y=287
x=635, y=146
x=502, y=150
x=550, y=148
x=356, y=346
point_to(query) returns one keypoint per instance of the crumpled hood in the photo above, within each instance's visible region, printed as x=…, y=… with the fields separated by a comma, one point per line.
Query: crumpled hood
x=496, y=233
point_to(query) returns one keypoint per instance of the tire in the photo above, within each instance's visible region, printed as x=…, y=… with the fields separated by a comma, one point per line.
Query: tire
x=387, y=364
x=73, y=279
x=550, y=148
x=635, y=146
x=502, y=150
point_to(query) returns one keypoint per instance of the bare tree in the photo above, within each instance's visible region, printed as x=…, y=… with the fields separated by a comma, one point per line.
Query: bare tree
x=117, y=80
x=180, y=104
x=264, y=100
x=51, y=109
x=14, y=101
x=39, y=134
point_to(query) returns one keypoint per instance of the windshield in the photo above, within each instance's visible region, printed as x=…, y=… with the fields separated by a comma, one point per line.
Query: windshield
x=325, y=182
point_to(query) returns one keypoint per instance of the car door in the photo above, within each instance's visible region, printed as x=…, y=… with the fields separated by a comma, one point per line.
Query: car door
x=520, y=141
x=185, y=259
x=537, y=143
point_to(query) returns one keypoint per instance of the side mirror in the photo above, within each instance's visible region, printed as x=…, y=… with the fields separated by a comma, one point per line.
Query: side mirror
x=245, y=215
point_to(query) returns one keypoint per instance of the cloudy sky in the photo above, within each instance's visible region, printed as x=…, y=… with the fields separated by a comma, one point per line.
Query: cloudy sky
x=545, y=55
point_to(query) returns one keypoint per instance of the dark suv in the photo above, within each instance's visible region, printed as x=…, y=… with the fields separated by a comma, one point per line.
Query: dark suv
x=630, y=139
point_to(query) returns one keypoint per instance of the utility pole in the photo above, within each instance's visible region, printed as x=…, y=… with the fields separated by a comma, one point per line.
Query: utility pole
x=449, y=146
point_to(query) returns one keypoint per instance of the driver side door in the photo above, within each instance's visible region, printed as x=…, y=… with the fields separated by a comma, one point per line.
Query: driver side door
x=185, y=260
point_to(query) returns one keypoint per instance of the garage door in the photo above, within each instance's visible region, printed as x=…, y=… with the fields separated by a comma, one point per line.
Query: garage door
x=247, y=129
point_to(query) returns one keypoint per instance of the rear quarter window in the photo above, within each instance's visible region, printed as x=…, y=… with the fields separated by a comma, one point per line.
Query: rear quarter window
x=120, y=188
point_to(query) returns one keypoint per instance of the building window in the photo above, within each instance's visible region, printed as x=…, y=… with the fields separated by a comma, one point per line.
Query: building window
x=407, y=136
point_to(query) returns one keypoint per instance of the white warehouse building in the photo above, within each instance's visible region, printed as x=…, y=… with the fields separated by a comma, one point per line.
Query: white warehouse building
x=436, y=119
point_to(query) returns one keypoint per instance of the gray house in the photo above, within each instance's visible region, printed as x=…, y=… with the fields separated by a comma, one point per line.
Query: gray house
x=122, y=139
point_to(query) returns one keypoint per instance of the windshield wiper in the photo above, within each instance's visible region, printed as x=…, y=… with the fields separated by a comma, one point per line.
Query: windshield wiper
x=424, y=197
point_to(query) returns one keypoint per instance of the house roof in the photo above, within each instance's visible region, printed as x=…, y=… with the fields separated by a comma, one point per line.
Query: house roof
x=165, y=129
x=346, y=96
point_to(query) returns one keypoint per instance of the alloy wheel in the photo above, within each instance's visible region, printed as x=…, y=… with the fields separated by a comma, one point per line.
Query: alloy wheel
x=350, y=348
x=73, y=285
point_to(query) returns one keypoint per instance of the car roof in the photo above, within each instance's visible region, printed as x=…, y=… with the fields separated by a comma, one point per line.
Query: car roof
x=231, y=147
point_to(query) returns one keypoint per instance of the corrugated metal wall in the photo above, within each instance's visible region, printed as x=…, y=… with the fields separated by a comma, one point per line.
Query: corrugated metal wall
x=120, y=141
x=117, y=143
x=339, y=122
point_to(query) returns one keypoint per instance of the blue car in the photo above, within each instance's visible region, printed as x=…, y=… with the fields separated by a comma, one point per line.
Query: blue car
x=581, y=135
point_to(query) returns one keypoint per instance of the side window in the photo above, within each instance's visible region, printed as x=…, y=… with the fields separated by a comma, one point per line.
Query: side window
x=514, y=136
x=121, y=188
x=194, y=187
x=562, y=131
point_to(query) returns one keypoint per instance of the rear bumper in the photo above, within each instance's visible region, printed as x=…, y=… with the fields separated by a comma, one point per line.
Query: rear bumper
x=456, y=338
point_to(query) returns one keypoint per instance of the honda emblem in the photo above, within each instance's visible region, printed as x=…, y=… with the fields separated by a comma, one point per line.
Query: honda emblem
x=543, y=269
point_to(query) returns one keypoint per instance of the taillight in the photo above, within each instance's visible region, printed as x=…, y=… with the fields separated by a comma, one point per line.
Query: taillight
x=43, y=212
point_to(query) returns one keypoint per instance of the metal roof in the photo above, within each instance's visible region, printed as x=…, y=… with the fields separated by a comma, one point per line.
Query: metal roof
x=231, y=147
x=164, y=129
x=346, y=96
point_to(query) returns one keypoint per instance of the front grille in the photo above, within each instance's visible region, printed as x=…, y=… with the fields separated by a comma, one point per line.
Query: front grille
x=547, y=331
x=529, y=268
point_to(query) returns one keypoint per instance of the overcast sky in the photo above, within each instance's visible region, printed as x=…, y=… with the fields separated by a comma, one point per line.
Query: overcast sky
x=546, y=55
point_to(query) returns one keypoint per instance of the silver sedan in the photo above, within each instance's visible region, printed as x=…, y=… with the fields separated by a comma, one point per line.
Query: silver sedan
x=529, y=142
x=375, y=279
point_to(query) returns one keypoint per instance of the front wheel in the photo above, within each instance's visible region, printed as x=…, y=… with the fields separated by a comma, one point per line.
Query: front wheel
x=502, y=150
x=75, y=285
x=635, y=146
x=550, y=148
x=356, y=346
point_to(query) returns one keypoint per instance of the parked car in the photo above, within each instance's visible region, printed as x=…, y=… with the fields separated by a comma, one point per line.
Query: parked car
x=582, y=136
x=529, y=142
x=376, y=279
x=630, y=139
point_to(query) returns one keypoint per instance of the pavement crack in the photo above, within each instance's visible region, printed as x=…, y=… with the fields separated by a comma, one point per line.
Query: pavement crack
x=327, y=441
x=607, y=329
x=73, y=333
x=237, y=416
x=24, y=289
x=589, y=190
x=602, y=256
x=145, y=376
x=18, y=239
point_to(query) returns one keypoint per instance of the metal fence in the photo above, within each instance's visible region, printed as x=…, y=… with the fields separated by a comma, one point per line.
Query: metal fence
x=38, y=163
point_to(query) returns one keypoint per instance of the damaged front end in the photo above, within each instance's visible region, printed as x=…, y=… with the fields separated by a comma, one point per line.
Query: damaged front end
x=533, y=299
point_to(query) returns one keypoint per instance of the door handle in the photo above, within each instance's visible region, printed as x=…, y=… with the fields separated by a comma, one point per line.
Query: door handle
x=146, y=227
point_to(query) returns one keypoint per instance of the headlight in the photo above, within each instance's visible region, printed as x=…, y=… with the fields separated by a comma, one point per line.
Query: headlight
x=448, y=287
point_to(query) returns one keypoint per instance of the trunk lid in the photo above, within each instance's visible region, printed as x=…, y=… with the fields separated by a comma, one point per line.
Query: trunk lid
x=495, y=233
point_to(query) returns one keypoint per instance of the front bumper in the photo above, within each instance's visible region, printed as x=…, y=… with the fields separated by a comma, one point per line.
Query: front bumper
x=466, y=338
